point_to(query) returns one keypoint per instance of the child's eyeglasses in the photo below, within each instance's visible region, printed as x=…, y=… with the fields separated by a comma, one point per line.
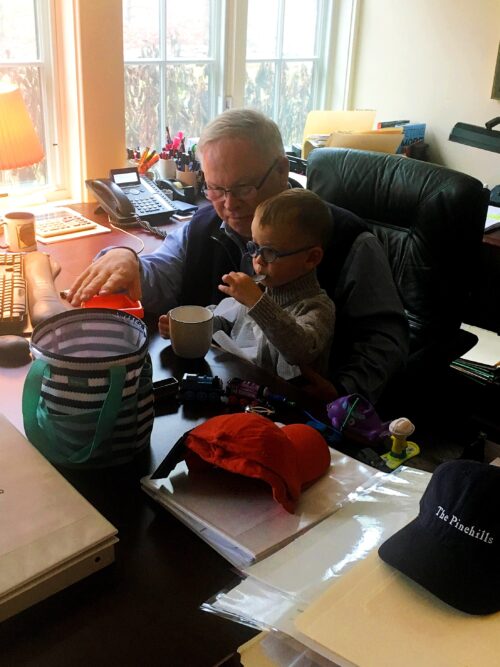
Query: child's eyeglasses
x=268, y=254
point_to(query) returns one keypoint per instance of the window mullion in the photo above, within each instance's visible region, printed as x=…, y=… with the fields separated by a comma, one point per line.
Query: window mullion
x=216, y=55
x=279, y=60
x=46, y=72
x=162, y=65
x=236, y=17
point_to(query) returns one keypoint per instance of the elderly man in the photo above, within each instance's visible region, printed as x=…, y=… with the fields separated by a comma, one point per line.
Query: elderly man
x=244, y=163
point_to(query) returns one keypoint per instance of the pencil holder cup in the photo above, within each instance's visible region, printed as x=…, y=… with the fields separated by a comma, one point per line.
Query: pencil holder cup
x=166, y=168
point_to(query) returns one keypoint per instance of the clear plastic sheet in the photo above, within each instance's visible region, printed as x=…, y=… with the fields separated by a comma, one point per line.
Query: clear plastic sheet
x=308, y=565
x=241, y=520
x=281, y=586
x=285, y=651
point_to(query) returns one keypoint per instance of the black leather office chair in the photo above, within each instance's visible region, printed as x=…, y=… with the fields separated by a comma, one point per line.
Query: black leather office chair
x=430, y=220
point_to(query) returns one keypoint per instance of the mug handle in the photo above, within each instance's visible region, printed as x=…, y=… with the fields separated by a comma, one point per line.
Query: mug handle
x=4, y=245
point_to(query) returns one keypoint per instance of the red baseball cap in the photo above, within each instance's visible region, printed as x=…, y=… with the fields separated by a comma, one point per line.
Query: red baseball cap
x=287, y=458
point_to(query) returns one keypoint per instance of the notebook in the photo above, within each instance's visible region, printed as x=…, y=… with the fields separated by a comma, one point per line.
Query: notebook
x=50, y=536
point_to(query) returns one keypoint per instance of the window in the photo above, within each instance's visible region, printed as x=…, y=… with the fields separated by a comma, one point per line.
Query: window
x=283, y=54
x=185, y=62
x=24, y=61
x=172, y=56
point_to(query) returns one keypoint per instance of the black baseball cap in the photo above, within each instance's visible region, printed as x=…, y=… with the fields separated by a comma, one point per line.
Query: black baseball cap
x=452, y=548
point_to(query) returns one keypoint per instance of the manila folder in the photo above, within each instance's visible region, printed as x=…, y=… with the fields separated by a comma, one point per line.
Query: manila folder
x=374, y=616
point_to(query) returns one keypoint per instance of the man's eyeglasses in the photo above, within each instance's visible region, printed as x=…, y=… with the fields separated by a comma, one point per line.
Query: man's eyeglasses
x=239, y=191
x=268, y=254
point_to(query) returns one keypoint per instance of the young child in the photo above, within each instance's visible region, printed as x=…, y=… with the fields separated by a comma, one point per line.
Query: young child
x=291, y=323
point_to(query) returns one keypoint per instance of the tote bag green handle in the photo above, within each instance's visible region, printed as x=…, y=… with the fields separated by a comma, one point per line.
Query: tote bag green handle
x=47, y=439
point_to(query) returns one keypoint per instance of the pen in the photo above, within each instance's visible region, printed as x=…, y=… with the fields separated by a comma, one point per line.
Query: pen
x=143, y=157
x=152, y=161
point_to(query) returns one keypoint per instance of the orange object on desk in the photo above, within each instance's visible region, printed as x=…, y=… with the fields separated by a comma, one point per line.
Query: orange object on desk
x=116, y=301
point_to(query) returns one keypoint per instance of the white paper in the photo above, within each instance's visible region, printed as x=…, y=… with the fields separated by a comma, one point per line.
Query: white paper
x=492, y=218
x=487, y=349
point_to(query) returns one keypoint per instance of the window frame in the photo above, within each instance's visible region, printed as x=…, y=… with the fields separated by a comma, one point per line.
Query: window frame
x=71, y=132
x=215, y=60
x=320, y=39
x=52, y=115
x=337, y=33
x=45, y=64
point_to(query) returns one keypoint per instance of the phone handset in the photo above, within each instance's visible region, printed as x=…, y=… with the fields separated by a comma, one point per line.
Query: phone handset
x=118, y=206
x=113, y=200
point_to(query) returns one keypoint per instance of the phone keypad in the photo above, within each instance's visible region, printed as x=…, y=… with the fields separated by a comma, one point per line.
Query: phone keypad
x=149, y=201
x=149, y=205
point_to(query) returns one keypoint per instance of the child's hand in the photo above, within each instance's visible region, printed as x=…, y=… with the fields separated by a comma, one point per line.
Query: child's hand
x=241, y=287
x=164, y=326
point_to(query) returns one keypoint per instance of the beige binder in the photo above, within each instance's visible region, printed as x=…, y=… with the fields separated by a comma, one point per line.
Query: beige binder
x=50, y=536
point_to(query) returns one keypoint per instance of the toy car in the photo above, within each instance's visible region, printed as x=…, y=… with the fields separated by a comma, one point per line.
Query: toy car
x=201, y=388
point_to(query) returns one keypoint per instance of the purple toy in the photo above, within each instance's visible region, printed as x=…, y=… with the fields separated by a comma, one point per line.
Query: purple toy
x=354, y=417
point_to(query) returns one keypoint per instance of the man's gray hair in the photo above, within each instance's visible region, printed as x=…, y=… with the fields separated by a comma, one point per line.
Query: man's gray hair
x=247, y=124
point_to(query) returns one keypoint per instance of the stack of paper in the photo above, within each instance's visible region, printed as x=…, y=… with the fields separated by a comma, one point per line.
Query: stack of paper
x=492, y=219
x=482, y=362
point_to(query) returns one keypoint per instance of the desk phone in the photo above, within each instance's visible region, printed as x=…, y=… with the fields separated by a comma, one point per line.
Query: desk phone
x=127, y=194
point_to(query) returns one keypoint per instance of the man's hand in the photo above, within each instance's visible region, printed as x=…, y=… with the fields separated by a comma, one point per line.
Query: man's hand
x=164, y=326
x=115, y=271
x=241, y=287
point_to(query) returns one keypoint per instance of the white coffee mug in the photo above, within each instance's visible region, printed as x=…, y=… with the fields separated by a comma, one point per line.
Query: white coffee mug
x=191, y=329
x=19, y=231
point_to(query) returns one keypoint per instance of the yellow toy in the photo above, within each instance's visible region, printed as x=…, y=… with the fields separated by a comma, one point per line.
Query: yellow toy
x=401, y=449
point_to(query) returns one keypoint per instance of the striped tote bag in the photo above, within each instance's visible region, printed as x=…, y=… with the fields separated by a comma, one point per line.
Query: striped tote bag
x=88, y=396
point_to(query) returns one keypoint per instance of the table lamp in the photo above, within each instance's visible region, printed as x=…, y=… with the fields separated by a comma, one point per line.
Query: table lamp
x=19, y=143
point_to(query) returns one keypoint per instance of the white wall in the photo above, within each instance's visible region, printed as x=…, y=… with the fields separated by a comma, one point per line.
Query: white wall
x=431, y=61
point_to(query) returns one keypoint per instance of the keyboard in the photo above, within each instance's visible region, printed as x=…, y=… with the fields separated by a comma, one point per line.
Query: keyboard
x=57, y=224
x=13, y=294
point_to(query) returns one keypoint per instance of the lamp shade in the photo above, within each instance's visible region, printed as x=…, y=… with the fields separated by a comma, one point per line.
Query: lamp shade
x=19, y=144
x=478, y=137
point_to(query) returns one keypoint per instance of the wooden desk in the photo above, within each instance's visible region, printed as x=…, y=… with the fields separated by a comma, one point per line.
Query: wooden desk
x=73, y=256
x=144, y=609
